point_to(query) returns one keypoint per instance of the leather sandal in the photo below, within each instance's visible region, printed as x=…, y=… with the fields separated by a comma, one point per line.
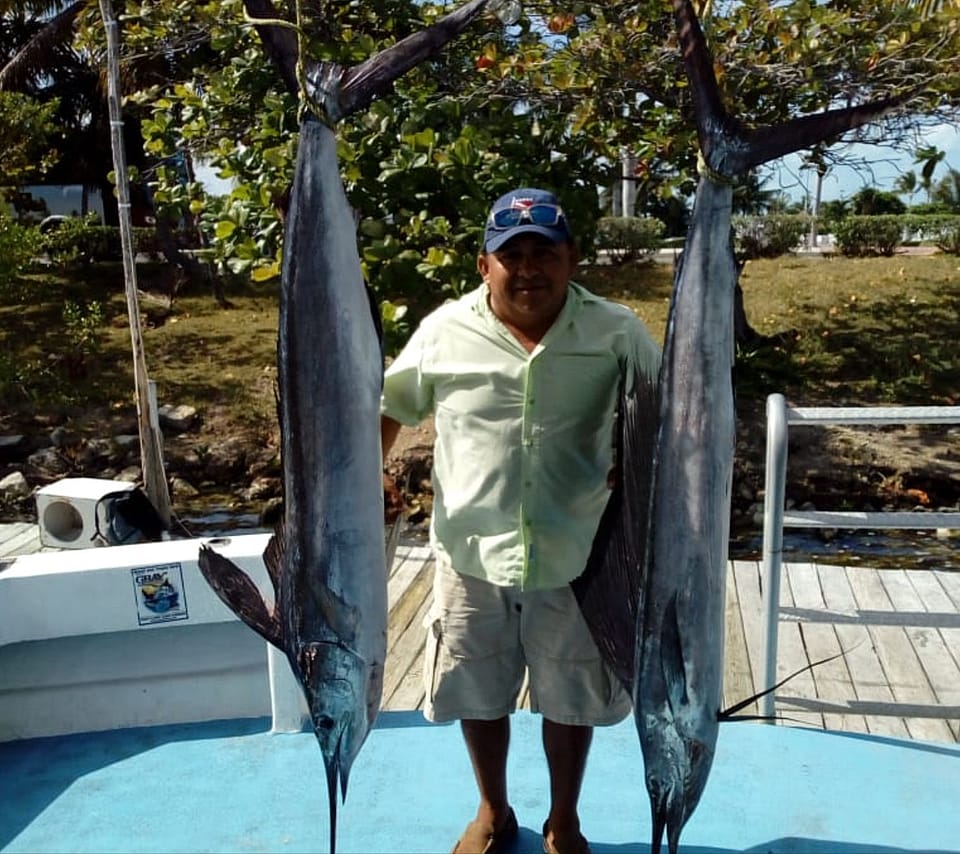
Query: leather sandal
x=574, y=844
x=482, y=838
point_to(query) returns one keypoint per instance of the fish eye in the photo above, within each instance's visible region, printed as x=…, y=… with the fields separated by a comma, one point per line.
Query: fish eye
x=325, y=722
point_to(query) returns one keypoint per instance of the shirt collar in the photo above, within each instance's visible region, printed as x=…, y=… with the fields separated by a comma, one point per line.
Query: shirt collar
x=577, y=296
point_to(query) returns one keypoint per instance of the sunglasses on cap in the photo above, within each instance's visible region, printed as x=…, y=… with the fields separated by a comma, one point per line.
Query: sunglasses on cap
x=540, y=214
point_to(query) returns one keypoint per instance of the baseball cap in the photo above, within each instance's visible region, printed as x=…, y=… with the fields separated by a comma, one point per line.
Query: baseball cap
x=525, y=211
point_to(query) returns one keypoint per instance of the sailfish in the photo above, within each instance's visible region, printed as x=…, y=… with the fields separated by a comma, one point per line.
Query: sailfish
x=653, y=589
x=327, y=560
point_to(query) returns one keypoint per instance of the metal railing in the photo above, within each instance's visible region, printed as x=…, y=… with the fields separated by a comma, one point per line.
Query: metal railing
x=776, y=518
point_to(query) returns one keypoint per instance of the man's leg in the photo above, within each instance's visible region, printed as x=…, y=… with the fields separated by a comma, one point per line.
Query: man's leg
x=487, y=744
x=566, y=748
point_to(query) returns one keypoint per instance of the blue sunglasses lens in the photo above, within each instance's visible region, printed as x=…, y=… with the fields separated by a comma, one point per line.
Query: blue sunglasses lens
x=535, y=214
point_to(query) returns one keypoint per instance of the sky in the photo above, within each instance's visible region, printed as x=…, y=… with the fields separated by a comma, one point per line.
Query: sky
x=887, y=166
x=786, y=174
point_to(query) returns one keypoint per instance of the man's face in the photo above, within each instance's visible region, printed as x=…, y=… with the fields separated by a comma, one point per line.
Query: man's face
x=528, y=278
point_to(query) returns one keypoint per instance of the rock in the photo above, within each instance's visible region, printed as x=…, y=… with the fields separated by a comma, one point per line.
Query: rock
x=93, y=452
x=48, y=462
x=272, y=513
x=131, y=474
x=14, y=487
x=59, y=437
x=187, y=461
x=179, y=488
x=178, y=418
x=127, y=441
x=265, y=463
x=13, y=448
x=225, y=461
x=263, y=487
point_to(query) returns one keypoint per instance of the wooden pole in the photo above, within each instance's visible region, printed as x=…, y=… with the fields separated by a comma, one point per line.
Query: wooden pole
x=151, y=442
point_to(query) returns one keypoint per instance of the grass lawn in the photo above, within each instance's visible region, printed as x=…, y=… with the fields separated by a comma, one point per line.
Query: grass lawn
x=876, y=330
x=835, y=331
x=830, y=332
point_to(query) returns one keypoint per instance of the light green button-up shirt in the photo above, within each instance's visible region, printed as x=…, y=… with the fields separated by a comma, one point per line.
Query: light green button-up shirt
x=524, y=440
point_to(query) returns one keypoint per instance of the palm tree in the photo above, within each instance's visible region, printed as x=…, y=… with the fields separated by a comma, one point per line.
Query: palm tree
x=928, y=158
x=39, y=60
x=947, y=191
x=906, y=184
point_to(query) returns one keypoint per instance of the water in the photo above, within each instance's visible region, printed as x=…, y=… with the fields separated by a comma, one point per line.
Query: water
x=878, y=549
x=221, y=522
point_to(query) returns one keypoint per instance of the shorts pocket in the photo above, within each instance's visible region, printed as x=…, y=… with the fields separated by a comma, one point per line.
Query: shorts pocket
x=432, y=664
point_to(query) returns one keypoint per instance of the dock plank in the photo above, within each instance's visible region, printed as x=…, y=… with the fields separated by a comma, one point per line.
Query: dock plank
x=746, y=577
x=930, y=590
x=951, y=584
x=797, y=697
x=902, y=668
x=872, y=696
x=403, y=688
x=19, y=538
x=737, y=675
x=831, y=675
x=929, y=643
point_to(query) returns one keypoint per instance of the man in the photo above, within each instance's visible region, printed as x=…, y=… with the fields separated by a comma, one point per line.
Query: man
x=522, y=375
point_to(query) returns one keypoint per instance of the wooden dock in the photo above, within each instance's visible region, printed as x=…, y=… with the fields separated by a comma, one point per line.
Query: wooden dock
x=18, y=538
x=892, y=638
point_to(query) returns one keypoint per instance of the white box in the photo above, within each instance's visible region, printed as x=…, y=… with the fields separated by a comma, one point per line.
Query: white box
x=70, y=510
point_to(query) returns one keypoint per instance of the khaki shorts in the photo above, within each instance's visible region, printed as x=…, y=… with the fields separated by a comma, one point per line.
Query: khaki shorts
x=480, y=637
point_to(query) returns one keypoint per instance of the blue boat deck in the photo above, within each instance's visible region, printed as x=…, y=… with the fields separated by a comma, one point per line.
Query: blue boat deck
x=898, y=630
x=234, y=787
x=872, y=767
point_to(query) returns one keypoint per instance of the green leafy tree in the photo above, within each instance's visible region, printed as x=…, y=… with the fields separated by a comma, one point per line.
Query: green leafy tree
x=873, y=202
x=27, y=143
x=834, y=212
x=553, y=99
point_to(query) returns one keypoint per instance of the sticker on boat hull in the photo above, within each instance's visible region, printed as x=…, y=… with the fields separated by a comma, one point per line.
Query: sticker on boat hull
x=159, y=593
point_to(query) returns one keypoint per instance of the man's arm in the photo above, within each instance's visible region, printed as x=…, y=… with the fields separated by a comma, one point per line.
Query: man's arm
x=388, y=434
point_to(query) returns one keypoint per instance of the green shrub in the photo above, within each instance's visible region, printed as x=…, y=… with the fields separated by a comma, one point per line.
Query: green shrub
x=32, y=380
x=943, y=230
x=83, y=240
x=768, y=236
x=19, y=245
x=859, y=236
x=628, y=238
x=83, y=322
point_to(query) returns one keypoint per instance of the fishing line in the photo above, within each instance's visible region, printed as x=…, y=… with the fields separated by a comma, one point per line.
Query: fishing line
x=705, y=170
x=729, y=714
x=306, y=101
